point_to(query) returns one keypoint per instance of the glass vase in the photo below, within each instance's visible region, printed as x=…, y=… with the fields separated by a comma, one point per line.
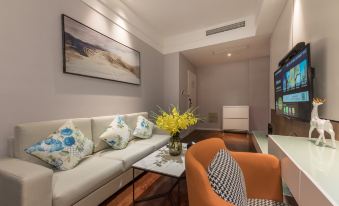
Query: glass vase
x=175, y=146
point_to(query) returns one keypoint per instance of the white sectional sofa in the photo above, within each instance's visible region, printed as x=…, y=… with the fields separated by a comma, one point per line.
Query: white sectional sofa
x=27, y=181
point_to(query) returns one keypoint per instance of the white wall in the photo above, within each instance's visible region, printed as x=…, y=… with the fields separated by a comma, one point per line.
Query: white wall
x=184, y=66
x=175, y=80
x=176, y=66
x=171, y=80
x=32, y=85
x=316, y=22
x=237, y=83
x=259, y=93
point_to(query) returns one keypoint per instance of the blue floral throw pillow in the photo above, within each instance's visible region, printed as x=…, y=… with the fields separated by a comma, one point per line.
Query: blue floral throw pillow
x=144, y=128
x=64, y=148
x=117, y=135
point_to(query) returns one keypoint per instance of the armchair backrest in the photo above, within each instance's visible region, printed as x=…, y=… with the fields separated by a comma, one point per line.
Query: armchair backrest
x=198, y=157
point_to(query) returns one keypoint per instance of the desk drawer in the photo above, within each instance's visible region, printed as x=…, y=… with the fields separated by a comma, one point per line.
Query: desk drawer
x=275, y=150
x=310, y=195
x=291, y=176
x=289, y=171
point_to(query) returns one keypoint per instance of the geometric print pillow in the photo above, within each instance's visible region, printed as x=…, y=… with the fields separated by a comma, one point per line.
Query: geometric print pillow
x=118, y=134
x=227, y=179
x=63, y=149
x=263, y=202
x=144, y=128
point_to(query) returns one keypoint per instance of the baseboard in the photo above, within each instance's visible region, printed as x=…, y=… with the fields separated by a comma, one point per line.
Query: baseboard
x=237, y=131
x=208, y=129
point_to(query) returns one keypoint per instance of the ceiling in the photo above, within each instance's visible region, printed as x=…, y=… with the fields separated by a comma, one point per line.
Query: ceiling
x=171, y=17
x=240, y=50
x=179, y=25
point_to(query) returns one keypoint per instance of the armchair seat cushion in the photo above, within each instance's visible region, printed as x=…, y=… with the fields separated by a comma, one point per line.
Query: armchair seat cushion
x=72, y=185
x=263, y=202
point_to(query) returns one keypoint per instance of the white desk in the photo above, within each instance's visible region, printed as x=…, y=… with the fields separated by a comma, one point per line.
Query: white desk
x=260, y=141
x=311, y=172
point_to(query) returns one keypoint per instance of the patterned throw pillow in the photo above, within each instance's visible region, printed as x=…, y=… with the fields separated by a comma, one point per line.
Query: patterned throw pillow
x=263, y=202
x=144, y=128
x=118, y=133
x=227, y=179
x=64, y=148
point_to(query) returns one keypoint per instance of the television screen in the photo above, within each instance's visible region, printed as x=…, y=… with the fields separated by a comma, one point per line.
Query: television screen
x=293, y=87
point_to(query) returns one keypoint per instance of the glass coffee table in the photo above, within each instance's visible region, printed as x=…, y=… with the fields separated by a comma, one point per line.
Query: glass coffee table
x=161, y=162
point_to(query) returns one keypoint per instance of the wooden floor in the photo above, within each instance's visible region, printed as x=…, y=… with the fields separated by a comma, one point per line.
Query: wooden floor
x=234, y=141
x=150, y=183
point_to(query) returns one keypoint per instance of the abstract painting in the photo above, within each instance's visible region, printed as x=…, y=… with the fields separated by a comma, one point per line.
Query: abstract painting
x=92, y=54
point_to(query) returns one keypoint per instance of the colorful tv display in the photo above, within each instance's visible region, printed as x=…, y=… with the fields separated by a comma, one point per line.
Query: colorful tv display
x=294, y=87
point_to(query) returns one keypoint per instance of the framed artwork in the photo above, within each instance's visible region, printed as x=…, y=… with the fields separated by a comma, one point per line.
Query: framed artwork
x=89, y=53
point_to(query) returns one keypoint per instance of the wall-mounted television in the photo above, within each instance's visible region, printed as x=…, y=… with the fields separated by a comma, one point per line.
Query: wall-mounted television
x=293, y=83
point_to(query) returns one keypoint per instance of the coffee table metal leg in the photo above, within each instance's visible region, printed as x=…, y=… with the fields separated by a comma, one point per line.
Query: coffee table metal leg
x=133, y=187
x=179, y=192
x=156, y=196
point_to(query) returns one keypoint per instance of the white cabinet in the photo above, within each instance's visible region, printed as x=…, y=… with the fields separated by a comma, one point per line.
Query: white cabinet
x=235, y=118
x=309, y=171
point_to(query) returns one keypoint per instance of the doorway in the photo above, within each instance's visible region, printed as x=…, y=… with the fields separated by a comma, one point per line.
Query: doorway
x=191, y=89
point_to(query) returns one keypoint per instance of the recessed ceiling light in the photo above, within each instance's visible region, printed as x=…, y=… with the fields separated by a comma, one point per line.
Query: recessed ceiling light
x=229, y=54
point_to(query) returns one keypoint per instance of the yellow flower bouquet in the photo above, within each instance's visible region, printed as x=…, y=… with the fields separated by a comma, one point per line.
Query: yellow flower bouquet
x=173, y=122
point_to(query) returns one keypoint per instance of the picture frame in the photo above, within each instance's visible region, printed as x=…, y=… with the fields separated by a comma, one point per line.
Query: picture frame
x=89, y=53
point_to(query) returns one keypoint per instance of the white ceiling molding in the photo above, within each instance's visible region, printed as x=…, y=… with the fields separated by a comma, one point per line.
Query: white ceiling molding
x=261, y=21
x=137, y=28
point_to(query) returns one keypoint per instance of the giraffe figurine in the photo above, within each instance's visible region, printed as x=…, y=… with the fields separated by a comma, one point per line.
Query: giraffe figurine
x=321, y=125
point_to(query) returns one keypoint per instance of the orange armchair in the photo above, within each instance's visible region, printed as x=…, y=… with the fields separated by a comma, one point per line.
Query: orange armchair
x=261, y=172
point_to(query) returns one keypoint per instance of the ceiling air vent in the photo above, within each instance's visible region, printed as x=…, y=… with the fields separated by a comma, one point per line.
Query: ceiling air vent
x=225, y=28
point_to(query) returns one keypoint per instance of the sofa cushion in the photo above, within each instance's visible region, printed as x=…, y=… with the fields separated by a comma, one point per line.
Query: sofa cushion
x=117, y=134
x=131, y=154
x=64, y=148
x=31, y=133
x=131, y=119
x=156, y=141
x=99, y=125
x=227, y=179
x=143, y=128
x=92, y=173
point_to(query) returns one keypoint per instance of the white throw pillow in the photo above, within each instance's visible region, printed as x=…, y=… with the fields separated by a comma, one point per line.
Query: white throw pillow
x=118, y=133
x=144, y=128
x=63, y=149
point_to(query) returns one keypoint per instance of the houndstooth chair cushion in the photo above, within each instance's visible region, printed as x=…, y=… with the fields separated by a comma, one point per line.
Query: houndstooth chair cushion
x=263, y=202
x=227, y=179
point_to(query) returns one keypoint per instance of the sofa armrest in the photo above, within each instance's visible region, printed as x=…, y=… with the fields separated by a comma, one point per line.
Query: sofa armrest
x=24, y=184
x=262, y=175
